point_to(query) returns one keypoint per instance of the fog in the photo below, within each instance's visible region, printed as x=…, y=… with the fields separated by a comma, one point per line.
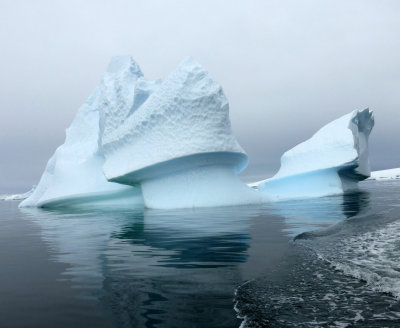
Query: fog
x=287, y=68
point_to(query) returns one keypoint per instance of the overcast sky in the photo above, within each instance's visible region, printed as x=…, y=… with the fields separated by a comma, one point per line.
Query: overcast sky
x=287, y=68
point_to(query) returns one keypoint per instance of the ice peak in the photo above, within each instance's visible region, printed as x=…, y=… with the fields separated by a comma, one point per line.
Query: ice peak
x=123, y=63
x=189, y=61
x=364, y=119
x=190, y=66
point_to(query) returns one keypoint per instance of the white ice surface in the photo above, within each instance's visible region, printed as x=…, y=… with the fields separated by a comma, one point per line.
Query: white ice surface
x=333, y=160
x=74, y=173
x=123, y=90
x=390, y=174
x=187, y=114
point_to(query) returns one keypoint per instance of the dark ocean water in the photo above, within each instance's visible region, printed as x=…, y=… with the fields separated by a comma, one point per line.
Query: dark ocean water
x=331, y=261
x=344, y=275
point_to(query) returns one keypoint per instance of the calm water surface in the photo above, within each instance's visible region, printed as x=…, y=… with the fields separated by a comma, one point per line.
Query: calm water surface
x=328, y=262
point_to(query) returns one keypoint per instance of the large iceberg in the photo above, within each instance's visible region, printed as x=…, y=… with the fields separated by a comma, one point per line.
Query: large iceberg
x=73, y=175
x=332, y=161
x=167, y=143
x=176, y=142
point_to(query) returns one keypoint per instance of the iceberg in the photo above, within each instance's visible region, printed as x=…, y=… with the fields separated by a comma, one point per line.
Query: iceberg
x=162, y=144
x=390, y=174
x=176, y=142
x=73, y=175
x=169, y=144
x=17, y=196
x=331, y=162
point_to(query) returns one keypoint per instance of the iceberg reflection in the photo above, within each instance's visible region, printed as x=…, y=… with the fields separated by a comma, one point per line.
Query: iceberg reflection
x=302, y=215
x=181, y=267
x=149, y=266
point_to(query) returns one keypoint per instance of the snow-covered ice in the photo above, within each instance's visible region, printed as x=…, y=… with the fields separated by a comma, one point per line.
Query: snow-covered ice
x=332, y=161
x=390, y=174
x=188, y=114
x=122, y=90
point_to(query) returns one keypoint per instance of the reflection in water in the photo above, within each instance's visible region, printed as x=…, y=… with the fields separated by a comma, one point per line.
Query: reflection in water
x=304, y=215
x=355, y=203
x=194, y=238
x=176, y=268
x=153, y=268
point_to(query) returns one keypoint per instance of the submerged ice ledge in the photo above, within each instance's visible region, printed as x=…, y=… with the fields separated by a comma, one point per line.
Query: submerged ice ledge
x=169, y=144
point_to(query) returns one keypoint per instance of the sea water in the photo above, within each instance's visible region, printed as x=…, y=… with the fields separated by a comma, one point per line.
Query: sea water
x=330, y=261
x=343, y=275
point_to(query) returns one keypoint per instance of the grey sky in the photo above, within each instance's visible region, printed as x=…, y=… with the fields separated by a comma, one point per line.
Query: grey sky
x=287, y=68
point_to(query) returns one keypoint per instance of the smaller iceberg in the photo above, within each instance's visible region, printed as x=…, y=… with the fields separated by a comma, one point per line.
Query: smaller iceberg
x=331, y=162
x=390, y=174
x=177, y=144
x=18, y=196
